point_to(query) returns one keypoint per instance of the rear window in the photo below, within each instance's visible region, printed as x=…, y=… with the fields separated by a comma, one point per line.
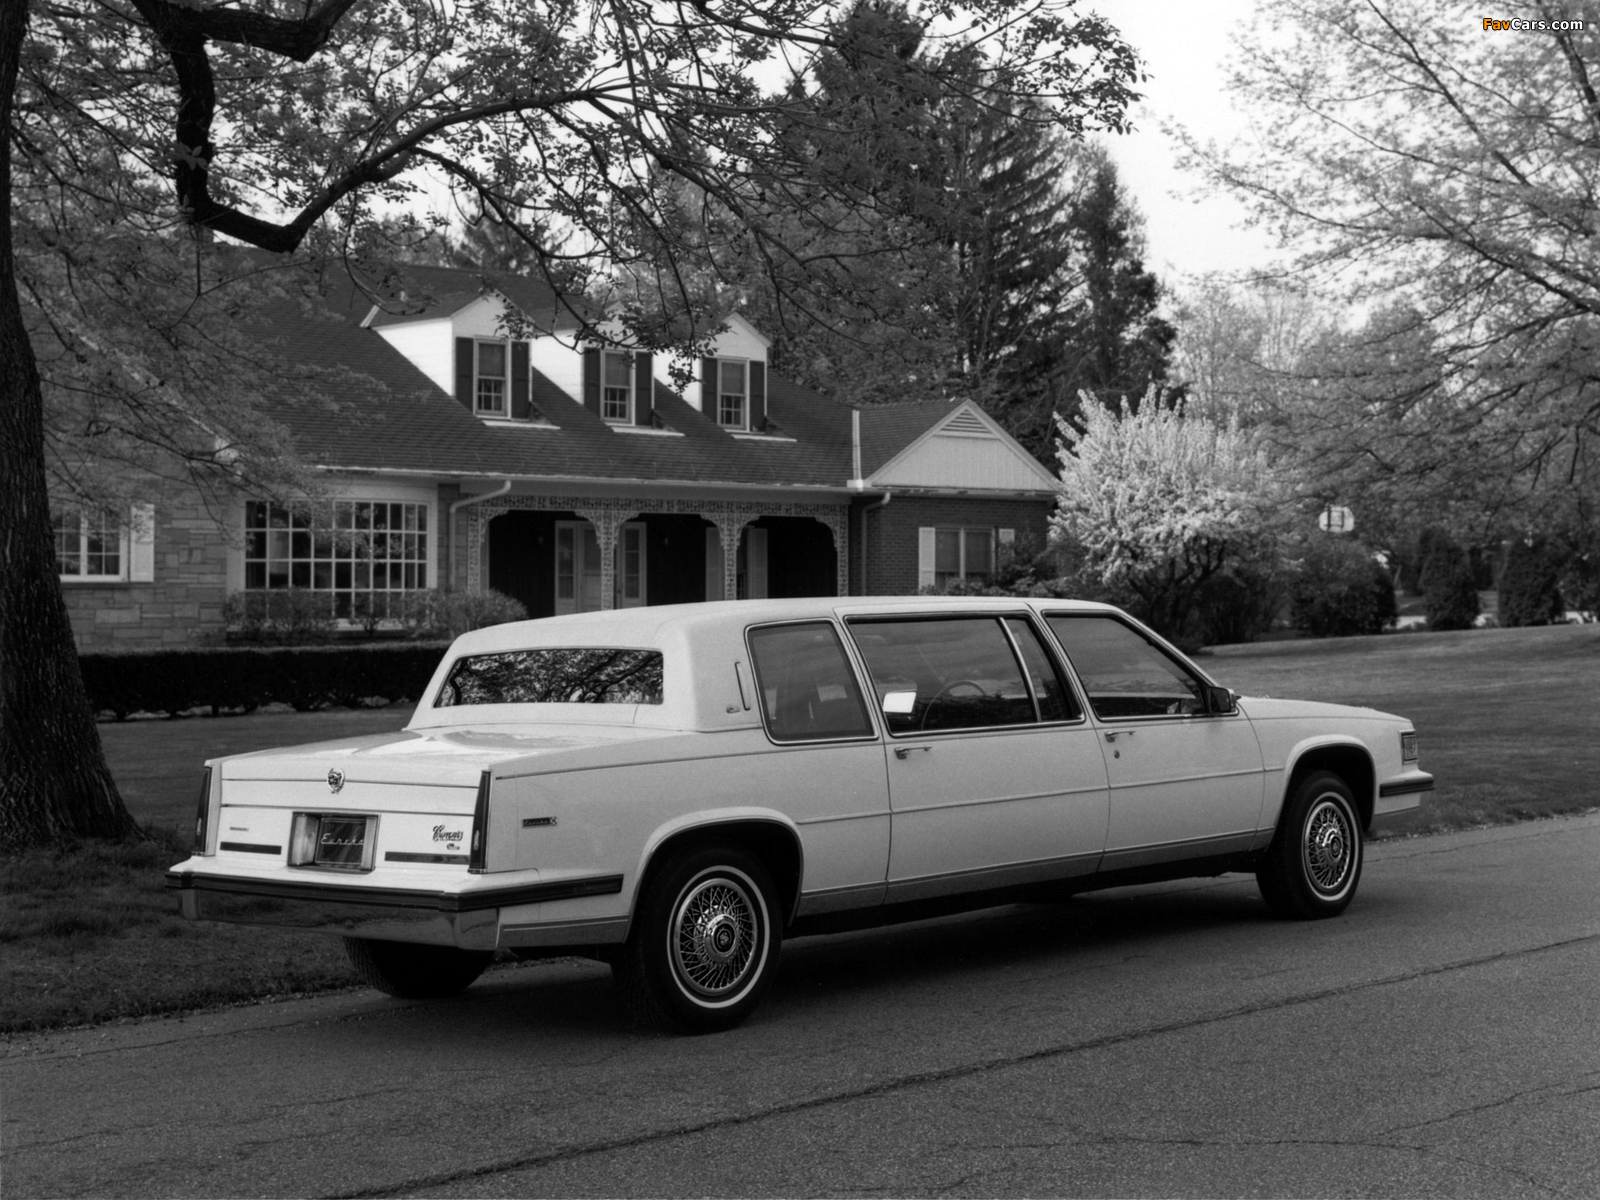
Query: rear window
x=575, y=676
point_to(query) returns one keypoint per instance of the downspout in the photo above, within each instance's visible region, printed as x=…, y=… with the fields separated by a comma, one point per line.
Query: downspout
x=859, y=484
x=464, y=502
x=884, y=503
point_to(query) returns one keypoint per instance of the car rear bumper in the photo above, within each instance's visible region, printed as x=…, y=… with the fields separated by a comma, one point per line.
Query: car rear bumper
x=469, y=920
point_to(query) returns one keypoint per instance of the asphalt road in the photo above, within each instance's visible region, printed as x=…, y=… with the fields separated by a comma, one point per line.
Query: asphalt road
x=1441, y=1039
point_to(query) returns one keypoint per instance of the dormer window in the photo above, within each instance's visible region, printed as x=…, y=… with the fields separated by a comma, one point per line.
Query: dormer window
x=489, y=387
x=616, y=393
x=733, y=391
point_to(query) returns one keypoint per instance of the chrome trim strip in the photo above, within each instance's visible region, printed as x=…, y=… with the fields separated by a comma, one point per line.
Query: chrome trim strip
x=824, y=900
x=1158, y=852
x=598, y=931
x=979, y=879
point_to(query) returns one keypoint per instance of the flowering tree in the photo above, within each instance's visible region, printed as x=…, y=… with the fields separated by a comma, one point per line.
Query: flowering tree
x=1158, y=503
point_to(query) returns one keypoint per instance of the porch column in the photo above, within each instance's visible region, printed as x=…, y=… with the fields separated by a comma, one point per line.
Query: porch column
x=608, y=522
x=838, y=523
x=730, y=525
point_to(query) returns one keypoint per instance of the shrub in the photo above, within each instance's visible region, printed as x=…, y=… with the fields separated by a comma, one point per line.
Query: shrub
x=437, y=614
x=1341, y=590
x=281, y=616
x=1237, y=605
x=1530, y=583
x=246, y=677
x=1449, y=589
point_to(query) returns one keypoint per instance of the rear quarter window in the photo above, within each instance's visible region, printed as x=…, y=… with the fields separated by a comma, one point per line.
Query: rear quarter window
x=807, y=688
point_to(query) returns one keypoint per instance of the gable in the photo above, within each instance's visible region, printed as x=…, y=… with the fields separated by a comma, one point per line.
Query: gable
x=965, y=451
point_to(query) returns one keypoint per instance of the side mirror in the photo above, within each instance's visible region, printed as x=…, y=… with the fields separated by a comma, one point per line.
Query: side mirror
x=1219, y=701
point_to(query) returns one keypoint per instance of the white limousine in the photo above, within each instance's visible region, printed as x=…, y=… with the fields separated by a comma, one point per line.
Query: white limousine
x=674, y=790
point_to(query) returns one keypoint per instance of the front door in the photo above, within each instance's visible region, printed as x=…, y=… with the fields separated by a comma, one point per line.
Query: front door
x=995, y=778
x=1184, y=784
x=578, y=575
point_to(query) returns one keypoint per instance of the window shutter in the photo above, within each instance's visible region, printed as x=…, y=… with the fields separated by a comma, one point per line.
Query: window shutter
x=714, y=577
x=758, y=396
x=591, y=379
x=708, y=387
x=521, y=405
x=924, y=557
x=756, y=562
x=142, y=544
x=464, y=351
x=644, y=387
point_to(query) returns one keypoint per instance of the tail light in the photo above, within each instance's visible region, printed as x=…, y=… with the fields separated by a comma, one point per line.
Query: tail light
x=202, y=819
x=477, y=853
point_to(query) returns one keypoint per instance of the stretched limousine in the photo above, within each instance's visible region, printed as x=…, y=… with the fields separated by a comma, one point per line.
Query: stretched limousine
x=674, y=790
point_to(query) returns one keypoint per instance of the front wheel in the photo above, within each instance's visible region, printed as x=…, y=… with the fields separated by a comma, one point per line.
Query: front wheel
x=1314, y=863
x=415, y=972
x=705, y=942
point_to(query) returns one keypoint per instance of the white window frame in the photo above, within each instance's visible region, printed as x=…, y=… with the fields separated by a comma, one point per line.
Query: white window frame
x=333, y=554
x=744, y=398
x=574, y=530
x=135, y=546
x=479, y=379
x=626, y=416
x=927, y=551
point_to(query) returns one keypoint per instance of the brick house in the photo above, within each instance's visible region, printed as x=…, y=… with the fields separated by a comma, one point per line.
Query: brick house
x=493, y=449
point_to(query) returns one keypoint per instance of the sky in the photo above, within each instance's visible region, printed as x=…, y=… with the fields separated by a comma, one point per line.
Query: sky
x=1185, y=47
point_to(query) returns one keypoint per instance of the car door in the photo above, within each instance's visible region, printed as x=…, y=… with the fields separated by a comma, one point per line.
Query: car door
x=995, y=776
x=1184, y=783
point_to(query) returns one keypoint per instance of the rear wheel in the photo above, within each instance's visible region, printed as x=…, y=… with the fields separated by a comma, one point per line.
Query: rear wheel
x=415, y=972
x=704, y=945
x=1314, y=863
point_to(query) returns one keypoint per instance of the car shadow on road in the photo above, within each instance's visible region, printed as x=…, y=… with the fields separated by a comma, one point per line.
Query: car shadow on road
x=576, y=998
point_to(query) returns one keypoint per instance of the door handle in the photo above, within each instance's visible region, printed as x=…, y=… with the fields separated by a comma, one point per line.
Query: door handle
x=1113, y=734
x=904, y=752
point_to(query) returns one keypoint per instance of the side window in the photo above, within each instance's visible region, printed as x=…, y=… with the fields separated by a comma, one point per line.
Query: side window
x=1124, y=674
x=954, y=673
x=808, y=691
x=1056, y=701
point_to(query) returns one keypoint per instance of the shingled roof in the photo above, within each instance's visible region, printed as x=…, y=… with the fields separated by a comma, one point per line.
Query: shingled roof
x=385, y=414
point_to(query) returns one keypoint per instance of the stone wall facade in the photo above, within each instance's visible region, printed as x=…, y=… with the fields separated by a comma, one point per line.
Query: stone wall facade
x=182, y=606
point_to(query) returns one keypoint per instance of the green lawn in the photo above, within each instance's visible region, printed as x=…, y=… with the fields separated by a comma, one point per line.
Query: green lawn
x=1509, y=722
x=1508, y=719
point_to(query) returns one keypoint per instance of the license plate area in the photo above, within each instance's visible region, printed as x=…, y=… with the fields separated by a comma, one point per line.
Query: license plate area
x=334, y=841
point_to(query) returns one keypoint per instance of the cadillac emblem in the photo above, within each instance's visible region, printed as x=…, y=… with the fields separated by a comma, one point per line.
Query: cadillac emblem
x=335, y=779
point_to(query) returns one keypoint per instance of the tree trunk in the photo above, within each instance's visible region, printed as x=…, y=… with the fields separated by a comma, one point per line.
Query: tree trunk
x=54, y=783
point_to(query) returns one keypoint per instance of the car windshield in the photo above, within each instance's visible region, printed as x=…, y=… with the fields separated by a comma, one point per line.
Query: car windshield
x=588, y=675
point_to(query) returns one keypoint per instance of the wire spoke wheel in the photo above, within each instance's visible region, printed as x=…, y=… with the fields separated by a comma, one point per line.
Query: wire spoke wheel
x=1313, y=865
x=714, y=937
x=706, y=943
x=1327, y=846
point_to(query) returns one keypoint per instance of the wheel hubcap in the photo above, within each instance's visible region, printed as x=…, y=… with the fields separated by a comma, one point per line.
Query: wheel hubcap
x=1329, y=853
x=714, y=937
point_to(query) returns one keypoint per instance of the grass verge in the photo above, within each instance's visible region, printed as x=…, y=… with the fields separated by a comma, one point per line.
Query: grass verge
x=1507, y=721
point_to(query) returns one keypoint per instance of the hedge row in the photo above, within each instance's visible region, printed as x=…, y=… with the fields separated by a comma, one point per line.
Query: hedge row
x=246, y=677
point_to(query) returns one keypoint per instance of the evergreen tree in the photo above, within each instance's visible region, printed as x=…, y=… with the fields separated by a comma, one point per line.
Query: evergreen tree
x=1118, y=344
